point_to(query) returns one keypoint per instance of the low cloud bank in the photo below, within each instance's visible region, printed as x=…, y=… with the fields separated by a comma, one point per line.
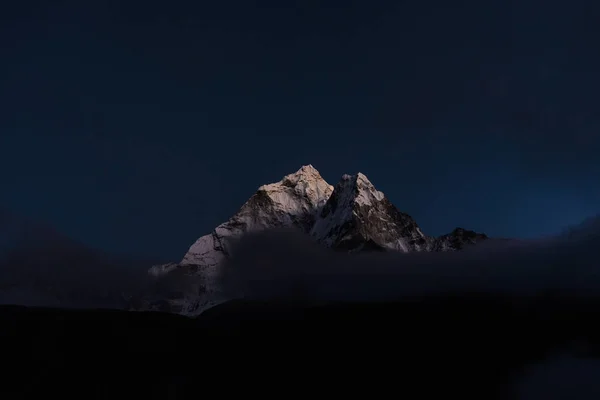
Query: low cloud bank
x=41, y=267
x=60, y=275
x=284, y=264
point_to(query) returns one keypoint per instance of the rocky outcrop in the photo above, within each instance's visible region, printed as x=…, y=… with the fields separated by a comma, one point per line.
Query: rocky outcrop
x=457, y=240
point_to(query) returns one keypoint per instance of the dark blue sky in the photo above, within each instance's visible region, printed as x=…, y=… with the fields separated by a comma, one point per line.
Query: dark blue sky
x=139, y=126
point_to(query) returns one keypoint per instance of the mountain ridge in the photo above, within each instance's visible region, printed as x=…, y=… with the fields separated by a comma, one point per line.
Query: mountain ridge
x=352, y=216
x=357, y=213
x=291, y=201
x=40, y=266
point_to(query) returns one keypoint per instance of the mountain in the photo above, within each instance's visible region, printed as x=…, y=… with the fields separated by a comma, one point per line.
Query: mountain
x=353, y=216
x=42, y=267
x=443, y=323
x=359, y=217
x=293, y=201
x=457, y=240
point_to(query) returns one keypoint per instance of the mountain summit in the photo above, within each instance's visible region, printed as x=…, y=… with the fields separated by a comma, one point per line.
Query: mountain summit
x=293, y=201
x=353, y=216
x=359, y=217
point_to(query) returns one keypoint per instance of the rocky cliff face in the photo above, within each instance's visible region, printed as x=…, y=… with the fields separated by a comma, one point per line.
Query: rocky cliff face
x=293, y=201
x=359, y=217
x=354, y=216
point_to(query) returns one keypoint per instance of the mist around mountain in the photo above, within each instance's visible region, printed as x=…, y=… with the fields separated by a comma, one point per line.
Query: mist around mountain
x=299, y=237
x=42, y=267
x=497, y=315
x=286, y=265
x=508, y=320
x=282, y=264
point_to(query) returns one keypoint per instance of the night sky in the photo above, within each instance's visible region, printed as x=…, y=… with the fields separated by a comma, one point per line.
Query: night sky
x=139, y=126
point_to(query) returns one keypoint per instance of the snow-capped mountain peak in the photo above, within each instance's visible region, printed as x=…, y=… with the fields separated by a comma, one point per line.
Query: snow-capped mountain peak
x=367, y=190
x=360, y=189
x=357, y=216
x=299, y=192
x=293, y=201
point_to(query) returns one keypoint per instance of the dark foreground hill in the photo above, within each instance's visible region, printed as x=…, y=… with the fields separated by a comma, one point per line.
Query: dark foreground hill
x=469, y=346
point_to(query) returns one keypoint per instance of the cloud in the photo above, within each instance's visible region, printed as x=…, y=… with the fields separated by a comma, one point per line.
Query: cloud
x=73, y=279
x=40, y=267
x=284, y=264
